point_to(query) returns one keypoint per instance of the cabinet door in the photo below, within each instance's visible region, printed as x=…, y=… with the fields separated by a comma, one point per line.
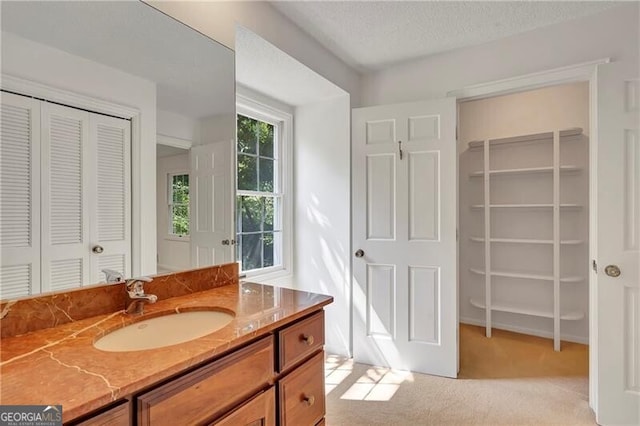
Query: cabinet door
x=211, y=390
x=260, y=411
x=110, y=204
x=116, y=416
x=302, y=394
x=66, y=155
x=20, y=196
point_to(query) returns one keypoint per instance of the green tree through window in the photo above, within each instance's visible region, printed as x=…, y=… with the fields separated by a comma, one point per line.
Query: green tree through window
x=179, y=204
x=259, y=231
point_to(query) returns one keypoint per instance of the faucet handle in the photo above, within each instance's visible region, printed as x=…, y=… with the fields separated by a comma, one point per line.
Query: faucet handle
x=113, y=276
x=135, y=285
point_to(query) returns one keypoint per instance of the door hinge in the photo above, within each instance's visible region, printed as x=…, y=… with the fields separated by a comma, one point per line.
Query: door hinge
x=594, y=266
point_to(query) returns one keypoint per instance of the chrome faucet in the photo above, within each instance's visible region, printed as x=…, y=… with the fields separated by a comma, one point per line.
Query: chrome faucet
x=137, y=298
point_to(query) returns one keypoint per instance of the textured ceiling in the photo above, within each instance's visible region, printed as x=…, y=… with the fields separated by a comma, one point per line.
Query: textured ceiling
x=263, y=67
x=371, y=35
x=194, y=75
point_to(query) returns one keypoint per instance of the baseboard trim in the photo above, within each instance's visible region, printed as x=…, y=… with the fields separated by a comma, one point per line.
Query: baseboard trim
x=525, y=330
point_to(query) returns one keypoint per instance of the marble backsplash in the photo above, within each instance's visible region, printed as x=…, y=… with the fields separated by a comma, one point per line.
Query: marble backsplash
x=52, y=309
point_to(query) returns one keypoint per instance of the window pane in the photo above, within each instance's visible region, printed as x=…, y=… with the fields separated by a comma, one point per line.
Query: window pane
x=266, y=175
x=247, y=173
x=268, y=249
x=251, y=214
x=180, y=189
x=247, y=135
x=265, y=138
x=251, y=252
x=268, y=213
x=180, y=220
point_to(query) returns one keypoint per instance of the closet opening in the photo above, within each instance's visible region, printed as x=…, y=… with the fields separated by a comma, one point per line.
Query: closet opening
x=523, y=200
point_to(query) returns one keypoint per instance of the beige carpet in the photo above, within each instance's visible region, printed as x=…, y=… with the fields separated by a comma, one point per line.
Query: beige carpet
x=510, y=379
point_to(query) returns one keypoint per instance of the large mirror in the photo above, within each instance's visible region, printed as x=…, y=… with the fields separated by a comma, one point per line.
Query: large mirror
x=117, y=149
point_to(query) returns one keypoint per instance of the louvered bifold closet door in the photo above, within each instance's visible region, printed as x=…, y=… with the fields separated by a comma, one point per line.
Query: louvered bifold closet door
x=19, y=196
x=66, y=154
x=111, y=207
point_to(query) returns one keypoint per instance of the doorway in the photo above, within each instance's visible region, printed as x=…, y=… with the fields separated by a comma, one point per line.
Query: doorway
x=524, y=233
x=174, y=248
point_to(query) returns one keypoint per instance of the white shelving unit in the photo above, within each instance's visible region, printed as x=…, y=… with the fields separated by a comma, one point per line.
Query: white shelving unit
x=551, y=174
x=524, y=241
x=525, y=171
x=525, y=206
x=523, y=310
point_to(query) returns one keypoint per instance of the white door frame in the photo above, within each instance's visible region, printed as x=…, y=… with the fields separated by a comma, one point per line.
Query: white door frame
x=38, y=90
x=586, y=71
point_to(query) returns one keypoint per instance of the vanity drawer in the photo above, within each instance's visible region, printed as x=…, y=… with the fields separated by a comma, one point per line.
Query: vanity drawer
x=260, y=411
x=300, y=340
x=115, y=416
x=302, y=394
x=210, y=390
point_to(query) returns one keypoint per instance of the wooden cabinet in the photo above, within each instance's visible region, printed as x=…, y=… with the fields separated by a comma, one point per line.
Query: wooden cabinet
x=260, y=411
x=210, y=390
x=302, y=394
x=300, y=340
x=278, y=379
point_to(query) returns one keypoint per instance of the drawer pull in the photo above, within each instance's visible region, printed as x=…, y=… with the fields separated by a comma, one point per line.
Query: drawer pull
x=308, y=339
x=309, y=400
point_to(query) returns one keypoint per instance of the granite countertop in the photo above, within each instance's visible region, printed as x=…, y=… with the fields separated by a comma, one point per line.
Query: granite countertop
x=59, y=365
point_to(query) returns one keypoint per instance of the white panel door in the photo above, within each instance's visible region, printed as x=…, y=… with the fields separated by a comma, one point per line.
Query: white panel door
x=618, y=245
x=110, y=203
x=66, y=159
x=210, y=183
x=19, y=196
x=404, y=222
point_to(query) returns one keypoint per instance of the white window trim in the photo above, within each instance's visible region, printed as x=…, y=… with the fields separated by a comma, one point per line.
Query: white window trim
x=261, y=111
x=169, y=181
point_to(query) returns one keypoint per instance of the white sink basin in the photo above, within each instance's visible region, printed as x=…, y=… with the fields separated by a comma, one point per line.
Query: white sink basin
x=163, y=331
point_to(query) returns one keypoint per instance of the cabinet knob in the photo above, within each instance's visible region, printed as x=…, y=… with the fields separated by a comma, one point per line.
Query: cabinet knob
x=308, y=339
x=97, y=249
x=309, y=400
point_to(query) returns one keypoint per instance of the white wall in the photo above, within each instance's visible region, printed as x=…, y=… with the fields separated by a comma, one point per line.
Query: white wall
x=537, y=111
x=218, y=20
x=174, y=254
x=217, y=128
x=613, y=33
x=322, y=236
x=39, y=63
x=177, y=126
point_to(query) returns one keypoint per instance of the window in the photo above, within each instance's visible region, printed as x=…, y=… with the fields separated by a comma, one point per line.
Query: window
x=259, y=195
x=178, y=205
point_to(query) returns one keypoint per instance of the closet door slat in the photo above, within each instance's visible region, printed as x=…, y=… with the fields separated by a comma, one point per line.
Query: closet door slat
x=66, y=168
x=19, y=196
x=111, y=203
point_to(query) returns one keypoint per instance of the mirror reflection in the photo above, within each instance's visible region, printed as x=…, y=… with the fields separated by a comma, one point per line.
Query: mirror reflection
x=112, y=114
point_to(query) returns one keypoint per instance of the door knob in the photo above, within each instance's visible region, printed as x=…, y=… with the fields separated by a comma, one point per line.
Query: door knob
x=225, y=242
x=612, y=271
x=359, y=253
x=97, y=249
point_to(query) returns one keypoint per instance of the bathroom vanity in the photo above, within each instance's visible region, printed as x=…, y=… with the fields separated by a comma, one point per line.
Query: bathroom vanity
x=265, y=367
